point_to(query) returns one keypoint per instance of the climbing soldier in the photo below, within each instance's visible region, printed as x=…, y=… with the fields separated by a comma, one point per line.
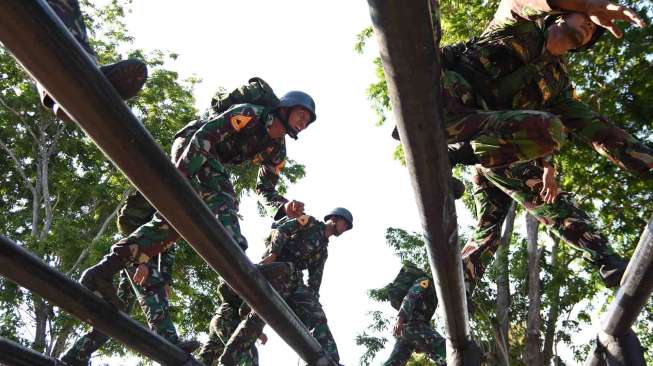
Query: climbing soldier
x=517, y=63
x=202, y=152
x=152, y=292
x=126, y=76
x=413, y=294
x=296, y=245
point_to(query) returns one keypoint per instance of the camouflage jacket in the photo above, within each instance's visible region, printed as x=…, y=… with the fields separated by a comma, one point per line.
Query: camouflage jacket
x=302, y=242
x=232, y=138
x=420, y=302
x=509, y=67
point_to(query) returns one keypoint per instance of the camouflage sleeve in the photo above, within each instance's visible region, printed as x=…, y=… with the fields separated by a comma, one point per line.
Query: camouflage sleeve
x=279, y=236
x=315, y=273
x=200, y=147
x=598, y=132
x=413, y=297
x=511, y=12
x=268, y=177
x=166, y=264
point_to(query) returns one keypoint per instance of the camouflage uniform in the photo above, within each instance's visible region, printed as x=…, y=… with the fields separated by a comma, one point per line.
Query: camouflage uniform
x=151, y=295
x=508, y=69
x=418, y=335
x=301, y=244
x=513, y=70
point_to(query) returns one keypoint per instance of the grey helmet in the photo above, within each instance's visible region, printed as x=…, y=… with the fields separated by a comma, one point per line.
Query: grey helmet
x=297, y=98
x=342, y=213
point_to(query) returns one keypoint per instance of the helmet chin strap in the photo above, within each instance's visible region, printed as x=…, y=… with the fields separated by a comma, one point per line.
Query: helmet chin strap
x=286, y=125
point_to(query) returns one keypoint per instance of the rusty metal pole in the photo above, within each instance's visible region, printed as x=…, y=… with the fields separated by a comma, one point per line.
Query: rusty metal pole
x=27, y=270
x=38, y=40
x=617, y=344
x=408, y=42
x=13, y=354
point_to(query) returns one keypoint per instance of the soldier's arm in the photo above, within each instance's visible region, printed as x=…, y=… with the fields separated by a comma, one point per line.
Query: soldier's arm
x=315, y=274
x=514, y=11
x=166, y=264
x=413, y=297
x=601, y=12
x=598, y=132
x=268, y=178
x=200, y=147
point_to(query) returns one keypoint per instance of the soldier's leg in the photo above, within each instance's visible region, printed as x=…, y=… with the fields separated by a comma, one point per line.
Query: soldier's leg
x=428, y=341
x=71, y=16
x=309, y=310
x=222, y=325
x=136, y=212
x=401, y=353
x=491, y=209
x=238, y=350
x=614, y=143
x=564, y=218
x=498, y=138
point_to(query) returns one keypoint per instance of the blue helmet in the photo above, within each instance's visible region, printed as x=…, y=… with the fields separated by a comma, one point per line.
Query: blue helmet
x=296, y=98
x=342, y=213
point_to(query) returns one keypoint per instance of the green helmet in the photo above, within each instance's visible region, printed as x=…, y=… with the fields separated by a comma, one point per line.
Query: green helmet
x=342, y=213
x=297, y=98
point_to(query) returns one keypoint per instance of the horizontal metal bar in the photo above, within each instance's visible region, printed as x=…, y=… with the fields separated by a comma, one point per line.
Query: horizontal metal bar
x=408, y=46
x=27, y=270
x=49, y=53
x=13, y=354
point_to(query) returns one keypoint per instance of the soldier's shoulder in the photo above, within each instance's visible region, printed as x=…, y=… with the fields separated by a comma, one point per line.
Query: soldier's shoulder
x=306, y=220
x=244, y=116
x=422, y=283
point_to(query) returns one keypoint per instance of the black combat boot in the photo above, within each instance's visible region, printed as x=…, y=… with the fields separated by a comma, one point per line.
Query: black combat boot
x=611, y=269
x=99, y=279
x=126, y=76
x=71, y=360
x=461, y=153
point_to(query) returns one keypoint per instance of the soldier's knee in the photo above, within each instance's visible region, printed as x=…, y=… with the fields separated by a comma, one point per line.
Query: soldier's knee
x=551, y=132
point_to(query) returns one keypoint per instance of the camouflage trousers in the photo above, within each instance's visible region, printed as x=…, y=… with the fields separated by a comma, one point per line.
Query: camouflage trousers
x=153, y=301
x=213, y=184
x=419, y=337
x=71, y=16
x=222, y=326
x=300, y=298
x=493, y=191
x=498, y=138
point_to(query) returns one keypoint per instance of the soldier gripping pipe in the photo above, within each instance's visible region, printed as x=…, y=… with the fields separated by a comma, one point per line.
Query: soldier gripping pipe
x=126, y=76
x=295, y=245
x=202, y=151
x=152, y=292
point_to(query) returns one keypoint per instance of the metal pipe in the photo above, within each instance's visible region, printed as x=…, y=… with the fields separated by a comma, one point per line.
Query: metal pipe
x=38, y=40
x=631, y=297
x=13, y=354
x=408, y=46
x=27, y=270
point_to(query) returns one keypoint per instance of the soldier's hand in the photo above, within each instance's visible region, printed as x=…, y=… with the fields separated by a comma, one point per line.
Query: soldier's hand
x=294, y=209
x=550, y=187
x=604, y=13
x=263, y=338
x=398, y=329
x=141, y=275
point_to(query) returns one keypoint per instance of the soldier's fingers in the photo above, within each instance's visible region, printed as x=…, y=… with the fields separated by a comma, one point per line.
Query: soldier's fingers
x=631, y=16
x=616, y=32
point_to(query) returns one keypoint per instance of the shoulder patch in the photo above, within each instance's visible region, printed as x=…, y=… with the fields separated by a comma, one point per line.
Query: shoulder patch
x=303, y=220
x=424, y=283
x=239, y=121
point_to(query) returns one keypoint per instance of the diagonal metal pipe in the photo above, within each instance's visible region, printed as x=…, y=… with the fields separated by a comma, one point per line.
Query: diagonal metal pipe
x=616, y=338
x=27, y=270
x=408, y=43
x=38, y=40
x=13, y=354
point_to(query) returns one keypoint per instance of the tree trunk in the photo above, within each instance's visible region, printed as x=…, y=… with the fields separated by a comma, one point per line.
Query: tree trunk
x=554, y=310
x=532, y=356
x=60, y=343
x=41, y=320
x=503, y=289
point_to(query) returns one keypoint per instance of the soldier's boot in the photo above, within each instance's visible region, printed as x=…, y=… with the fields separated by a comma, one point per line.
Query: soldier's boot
x=461, y=153
x=611, y=269
x=99, y=279
x=126, y=76
x=75, y=361
x=189, y=346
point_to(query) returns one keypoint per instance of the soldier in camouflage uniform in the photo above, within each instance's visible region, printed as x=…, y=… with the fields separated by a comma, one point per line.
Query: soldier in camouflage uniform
x=517, y=63
x=298, y=244
x=202, y=152
x=151, y=293
x=126, y=76
x=413, y=327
